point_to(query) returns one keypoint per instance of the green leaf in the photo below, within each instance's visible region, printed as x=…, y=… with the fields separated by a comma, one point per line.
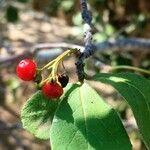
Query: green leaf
x=84, y=121
x=67, y=5
x=100, y=37
x=136, y=91
x=77, y=19
x=37, y=115
x=38, y=112
x=23, y=1
x=12, y=14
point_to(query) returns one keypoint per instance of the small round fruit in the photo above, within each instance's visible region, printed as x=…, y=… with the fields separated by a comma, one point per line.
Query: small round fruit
x=63, y=80
x=52, y=90
x=26, y=69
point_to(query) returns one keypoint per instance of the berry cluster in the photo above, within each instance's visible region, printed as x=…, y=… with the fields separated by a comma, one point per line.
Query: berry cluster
x=52, y=87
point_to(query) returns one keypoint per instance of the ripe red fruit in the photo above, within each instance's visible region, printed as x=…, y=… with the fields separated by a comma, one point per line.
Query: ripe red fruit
x=52, y=90
x=26, y=69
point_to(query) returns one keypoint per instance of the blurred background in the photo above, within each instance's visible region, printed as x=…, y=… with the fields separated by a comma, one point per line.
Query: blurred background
x=25, y=23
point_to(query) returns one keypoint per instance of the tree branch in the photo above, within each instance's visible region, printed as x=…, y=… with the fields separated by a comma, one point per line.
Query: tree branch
x=8, y=127
x=122, y=44
x=126, y=44
x=89, y=47
x=34, y=50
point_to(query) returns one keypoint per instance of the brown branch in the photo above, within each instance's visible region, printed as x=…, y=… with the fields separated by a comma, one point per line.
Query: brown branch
x=15, y=58
x=8, y=127
x=128, y=44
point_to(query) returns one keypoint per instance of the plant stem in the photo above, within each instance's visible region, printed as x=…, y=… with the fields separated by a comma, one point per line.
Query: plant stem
x=88, y=43
x=54, y=65
x=47, y=65
x=59, y=58
x=130, y=68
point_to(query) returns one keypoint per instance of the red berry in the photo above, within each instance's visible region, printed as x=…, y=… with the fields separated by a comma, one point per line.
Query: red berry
x=26, y=69
x=52, y=90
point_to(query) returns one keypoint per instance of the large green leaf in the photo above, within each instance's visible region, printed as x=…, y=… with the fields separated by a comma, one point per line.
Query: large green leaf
x=136, y=91
x=84, y=121
x=37, y=115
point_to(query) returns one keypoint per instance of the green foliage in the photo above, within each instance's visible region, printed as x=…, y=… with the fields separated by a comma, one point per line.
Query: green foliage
x=53, y=7
x=13, y=86
x=77, y=19
x=12, y=14
x=84, y=121
x=100, y=37
x=136, y=91
x=37, y=115
x=23, y=1
x=121, y=59
x=108, y=30
x=67, y=5
x=81, y=119
x=38, y=112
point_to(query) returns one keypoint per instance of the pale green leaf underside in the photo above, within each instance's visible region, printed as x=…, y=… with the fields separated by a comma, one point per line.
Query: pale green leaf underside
x=37, y=115
x=136, y=91
x=83, y=121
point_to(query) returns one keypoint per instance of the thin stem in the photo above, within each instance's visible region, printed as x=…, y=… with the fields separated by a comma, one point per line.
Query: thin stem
x=67, y=52
x=47, y=65
x=57, y=62
x=44, y=81
x=130, y=68
x=55, y=70
x=54, y=65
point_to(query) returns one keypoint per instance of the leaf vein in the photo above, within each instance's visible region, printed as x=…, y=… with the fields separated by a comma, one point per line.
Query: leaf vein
x=72, y=139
